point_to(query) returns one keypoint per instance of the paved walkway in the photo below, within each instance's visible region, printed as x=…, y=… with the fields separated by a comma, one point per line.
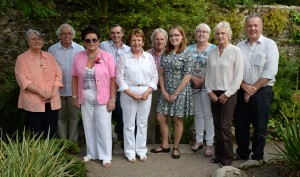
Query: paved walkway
x=160, y=165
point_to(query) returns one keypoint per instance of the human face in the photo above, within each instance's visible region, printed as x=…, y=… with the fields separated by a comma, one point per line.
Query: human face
x=202, y=34
x=116, y=34
x=35, y=42
x=136, y=43
x=91, y=42
x=254, y=28
x=222, y=36
x=175, y=37
x=159, y=41
x=66, y=36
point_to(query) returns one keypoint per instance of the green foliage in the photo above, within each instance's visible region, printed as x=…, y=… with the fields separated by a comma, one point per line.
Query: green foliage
x=290, y=153
x=24, y=156
x=33, y=8
x=275, y=21
x=295, y=26
x=283, y=2
x=285, y=87
x=231, y=4
x=11, y=118
x=235, y=20
x=146, y=15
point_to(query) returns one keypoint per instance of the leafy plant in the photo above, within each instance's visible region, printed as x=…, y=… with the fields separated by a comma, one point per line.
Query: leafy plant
x=24, y=156
x=290, y=153
x=275, y=21
x=295, y=26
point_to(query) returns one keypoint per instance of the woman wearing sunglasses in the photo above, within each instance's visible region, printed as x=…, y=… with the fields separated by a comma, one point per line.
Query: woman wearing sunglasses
x=94, y=91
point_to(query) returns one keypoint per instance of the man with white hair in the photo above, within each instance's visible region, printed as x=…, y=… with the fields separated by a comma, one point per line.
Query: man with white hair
x=159, y=40
x=64, y=52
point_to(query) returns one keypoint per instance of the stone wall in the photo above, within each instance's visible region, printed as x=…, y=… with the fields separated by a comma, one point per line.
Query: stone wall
x=13, y=26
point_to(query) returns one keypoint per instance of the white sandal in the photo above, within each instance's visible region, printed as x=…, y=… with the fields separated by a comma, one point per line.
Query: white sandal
x=143, y=158
x=86, y=158
x=106, y=164
x=209, y=151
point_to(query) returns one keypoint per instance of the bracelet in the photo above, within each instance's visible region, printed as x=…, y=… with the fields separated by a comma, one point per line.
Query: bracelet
x=75, y=96
x=149, y=89
x=113, y=99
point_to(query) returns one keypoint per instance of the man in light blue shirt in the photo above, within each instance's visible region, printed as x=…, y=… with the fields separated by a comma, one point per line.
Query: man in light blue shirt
x=117, y=48
x=64, y=52
x=261, y=57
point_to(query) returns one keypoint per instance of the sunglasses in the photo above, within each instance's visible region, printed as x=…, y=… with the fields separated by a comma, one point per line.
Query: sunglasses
x=91, y=40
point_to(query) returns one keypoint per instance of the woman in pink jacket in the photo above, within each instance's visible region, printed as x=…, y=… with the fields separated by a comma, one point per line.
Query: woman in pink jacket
x=94, y=91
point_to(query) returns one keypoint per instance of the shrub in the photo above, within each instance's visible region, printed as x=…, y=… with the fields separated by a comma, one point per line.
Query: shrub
x=275, y=21
x=290, y=153
x=25, y=156
x=295, y=26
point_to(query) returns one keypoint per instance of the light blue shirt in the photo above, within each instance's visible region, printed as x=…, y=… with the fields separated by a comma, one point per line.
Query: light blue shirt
x=260, y=60
x=110, y=47
x=65, y=58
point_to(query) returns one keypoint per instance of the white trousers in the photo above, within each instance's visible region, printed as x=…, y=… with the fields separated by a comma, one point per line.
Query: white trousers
x=135, y=114
x=97, y=128
x=68, y=120
x=203, y=116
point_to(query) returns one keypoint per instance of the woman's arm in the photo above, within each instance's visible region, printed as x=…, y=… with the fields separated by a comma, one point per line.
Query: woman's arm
x=185, y=80
x=75, y=91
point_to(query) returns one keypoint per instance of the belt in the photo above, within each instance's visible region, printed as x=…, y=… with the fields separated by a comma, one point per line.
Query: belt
x=139, y=85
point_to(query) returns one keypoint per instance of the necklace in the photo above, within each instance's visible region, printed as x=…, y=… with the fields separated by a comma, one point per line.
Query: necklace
x=92, y=56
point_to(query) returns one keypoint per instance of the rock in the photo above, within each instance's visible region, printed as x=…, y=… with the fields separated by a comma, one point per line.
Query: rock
x=249, y=164
x=229, y=171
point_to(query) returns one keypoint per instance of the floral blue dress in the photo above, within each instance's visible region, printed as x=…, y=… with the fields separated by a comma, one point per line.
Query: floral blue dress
x=175, y=67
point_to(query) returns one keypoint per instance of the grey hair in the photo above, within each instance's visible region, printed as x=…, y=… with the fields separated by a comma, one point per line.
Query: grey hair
x=203, y=25
x=30, y=31
x=58, y=31
x=159, y=30
x=225, y=25
x=256, y=15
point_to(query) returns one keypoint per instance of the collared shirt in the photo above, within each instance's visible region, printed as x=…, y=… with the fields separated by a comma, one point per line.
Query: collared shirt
x=65, y=57
x=104, y=70
x=132, y=71
x=225, y=72
x=110, y=47
x=29, y=71
x=156, y=57
x=260, y=60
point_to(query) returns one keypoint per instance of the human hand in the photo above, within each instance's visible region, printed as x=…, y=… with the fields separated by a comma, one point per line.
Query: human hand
x=213, y=97
x=75, y=103
x=223, y=98
x=111, y=105
x=197, y=82
x=250, y=89
x=172, y=98
x=246, y=97
x=146, y=95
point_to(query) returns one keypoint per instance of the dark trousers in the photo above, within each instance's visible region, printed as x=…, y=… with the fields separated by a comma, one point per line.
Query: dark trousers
x=43, y=122
x=257, y=112
x=117, y=116
x=222, y=115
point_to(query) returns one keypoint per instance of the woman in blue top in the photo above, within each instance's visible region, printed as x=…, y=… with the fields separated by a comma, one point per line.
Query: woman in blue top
x=202, y=108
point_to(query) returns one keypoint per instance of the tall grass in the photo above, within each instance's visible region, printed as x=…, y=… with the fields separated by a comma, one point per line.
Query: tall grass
x=290, y=153
x=31, y=157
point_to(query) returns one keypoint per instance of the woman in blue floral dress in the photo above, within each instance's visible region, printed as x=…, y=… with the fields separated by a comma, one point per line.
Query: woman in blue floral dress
x=175, y=98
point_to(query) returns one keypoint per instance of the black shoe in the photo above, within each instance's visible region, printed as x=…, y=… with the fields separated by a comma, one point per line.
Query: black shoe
x=215, y=160
x=237, y=157
x=166, y=150
x=176, y=156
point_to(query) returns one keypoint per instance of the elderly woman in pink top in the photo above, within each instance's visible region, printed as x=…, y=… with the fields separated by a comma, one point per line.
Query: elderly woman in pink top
x=94, y=89
x=39, y=77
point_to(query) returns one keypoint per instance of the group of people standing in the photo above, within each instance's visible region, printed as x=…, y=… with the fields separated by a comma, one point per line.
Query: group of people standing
x=110, y=80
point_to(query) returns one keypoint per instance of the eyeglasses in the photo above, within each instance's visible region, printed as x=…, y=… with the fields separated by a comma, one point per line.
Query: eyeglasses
x=174, y=35
x=91, y=40
x=201, y=32
x=66, y=34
